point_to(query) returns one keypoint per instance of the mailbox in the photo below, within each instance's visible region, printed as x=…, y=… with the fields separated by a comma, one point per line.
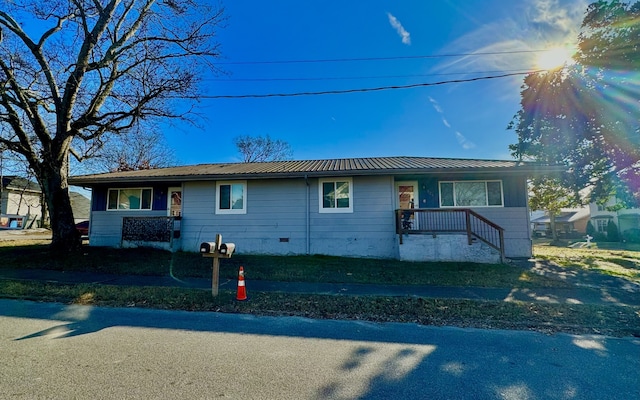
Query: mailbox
x=227, y=249
x=208, y=247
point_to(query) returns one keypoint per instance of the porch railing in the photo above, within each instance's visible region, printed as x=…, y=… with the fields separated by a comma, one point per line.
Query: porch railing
x=457, y=220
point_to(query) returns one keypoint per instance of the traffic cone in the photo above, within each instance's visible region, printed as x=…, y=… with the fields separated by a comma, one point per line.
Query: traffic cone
x=242, y=289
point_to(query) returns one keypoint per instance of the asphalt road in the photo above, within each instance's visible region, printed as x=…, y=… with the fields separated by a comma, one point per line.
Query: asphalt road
x=53, y=351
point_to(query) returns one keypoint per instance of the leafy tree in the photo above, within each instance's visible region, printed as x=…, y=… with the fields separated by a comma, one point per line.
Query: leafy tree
x=74, y=71
x=550, y=195
x=586, y=116
x=262, y=148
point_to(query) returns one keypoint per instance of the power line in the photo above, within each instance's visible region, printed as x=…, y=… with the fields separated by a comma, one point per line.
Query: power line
x=359, y=77
x=328, y=60
x=362, y=90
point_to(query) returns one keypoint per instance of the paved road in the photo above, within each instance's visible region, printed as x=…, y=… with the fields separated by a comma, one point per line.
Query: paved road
x=51, y=350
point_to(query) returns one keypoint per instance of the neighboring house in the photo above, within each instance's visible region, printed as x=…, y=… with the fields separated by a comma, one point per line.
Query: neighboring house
x=409, y=208
x=570, y=223
x=81, y=207
x=626, y=219
x=20, y=205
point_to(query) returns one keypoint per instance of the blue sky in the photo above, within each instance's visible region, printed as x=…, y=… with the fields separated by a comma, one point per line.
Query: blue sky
x=463, y=120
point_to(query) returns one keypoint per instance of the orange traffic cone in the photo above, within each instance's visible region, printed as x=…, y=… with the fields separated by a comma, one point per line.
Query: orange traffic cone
x=242, y=290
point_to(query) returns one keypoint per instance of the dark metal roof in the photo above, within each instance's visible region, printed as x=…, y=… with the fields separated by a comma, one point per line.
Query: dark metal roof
x=302, y=168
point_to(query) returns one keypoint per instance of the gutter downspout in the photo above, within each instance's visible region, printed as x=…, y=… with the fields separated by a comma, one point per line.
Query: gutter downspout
x=308, y=216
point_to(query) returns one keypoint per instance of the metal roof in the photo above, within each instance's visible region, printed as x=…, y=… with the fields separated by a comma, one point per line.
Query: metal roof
x=313, y=168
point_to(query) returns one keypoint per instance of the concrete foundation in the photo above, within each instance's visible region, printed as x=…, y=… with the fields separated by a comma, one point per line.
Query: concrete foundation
x=446, y=247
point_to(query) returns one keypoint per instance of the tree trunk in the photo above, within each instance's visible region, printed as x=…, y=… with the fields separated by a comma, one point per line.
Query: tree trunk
x=552, y=223
x=55, y=187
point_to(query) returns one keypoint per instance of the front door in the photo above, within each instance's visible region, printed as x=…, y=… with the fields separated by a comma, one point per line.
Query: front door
x=407, y=195
x=174, y=202
x=407, y=198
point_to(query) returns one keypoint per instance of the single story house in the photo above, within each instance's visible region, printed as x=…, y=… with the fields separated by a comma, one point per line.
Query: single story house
x=409, y=208
x=570, y=223
x=20, y=202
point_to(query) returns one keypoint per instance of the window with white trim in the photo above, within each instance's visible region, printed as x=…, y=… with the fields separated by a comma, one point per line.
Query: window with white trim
x=601, y=224
x=471, y=194
x=231, y=197
x=336, y=195
x=130, y=199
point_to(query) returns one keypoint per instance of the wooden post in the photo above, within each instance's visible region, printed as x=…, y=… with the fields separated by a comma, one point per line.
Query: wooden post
x=215, y=273
x=215, y=280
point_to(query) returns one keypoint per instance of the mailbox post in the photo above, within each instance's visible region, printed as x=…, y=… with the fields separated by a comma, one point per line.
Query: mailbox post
x=216, y=250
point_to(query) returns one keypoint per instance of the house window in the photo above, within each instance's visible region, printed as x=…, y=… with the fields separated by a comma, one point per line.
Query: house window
x=231, y=197
x=471, y=194
x=336, y=195
x=601, y=225
x=129, y=199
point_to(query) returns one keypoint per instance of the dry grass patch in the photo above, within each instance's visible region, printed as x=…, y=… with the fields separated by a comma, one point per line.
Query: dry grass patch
x=621, y=263
x=548, y=318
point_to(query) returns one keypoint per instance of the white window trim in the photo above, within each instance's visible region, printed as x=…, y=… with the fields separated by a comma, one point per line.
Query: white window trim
x=486, y=193
x=335, y=210
x=244, y=198
x=169, y=190
x=130, y=209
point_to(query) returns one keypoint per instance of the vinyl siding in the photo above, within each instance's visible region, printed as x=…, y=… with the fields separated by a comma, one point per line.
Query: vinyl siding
x=276, y=222
x=276, y=218
x=515, y=222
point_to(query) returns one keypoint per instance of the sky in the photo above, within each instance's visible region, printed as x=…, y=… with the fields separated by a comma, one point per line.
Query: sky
x=455, y=120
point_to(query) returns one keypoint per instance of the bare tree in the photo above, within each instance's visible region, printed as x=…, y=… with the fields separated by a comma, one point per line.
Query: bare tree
x=91, y=68
x=262, y=148
x=137, y=150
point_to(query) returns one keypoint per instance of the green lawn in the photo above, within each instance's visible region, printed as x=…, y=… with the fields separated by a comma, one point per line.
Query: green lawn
x=275, y=268
x=548, y=318
x=613, y=260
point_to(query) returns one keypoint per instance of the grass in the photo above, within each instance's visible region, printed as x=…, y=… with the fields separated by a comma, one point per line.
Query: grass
x=612, y=261
x=570, y=318
x=275, y=268
x=548, y=318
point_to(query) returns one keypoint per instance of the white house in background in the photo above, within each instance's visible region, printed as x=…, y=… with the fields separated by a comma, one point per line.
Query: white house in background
x=81, y=207
x=409, y=208
x=20, y=203
x=625, y=219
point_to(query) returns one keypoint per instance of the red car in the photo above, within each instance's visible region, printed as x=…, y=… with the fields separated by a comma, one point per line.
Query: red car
x=83, y=228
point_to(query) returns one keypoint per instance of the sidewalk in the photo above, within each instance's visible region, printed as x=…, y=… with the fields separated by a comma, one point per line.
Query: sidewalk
x=607, y=294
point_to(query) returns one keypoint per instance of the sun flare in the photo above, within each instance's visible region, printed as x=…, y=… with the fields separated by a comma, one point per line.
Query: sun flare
x=553, y=58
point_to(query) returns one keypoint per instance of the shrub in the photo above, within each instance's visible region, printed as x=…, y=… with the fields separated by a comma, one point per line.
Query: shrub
x=612, y=232
x=591, y=230
x=632, y=235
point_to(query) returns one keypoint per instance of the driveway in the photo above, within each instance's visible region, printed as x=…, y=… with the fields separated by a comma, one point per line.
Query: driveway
x=25, y=234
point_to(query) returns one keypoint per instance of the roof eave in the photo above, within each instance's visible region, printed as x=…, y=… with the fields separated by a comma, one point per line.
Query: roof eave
x=527, y=170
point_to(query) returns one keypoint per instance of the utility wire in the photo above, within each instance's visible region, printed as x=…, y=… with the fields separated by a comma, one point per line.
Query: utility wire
x=362, y=90
x=328, y=60
x=344, y=78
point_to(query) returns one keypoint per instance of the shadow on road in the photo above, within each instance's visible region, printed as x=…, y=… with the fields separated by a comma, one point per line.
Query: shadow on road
x=390, y=360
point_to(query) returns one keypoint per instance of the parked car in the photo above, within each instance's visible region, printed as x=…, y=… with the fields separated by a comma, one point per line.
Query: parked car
x=83, y=228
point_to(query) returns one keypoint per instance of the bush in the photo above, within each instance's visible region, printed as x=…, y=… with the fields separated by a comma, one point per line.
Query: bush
x=632, y=235
x=612, y=232
x=591, y=230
